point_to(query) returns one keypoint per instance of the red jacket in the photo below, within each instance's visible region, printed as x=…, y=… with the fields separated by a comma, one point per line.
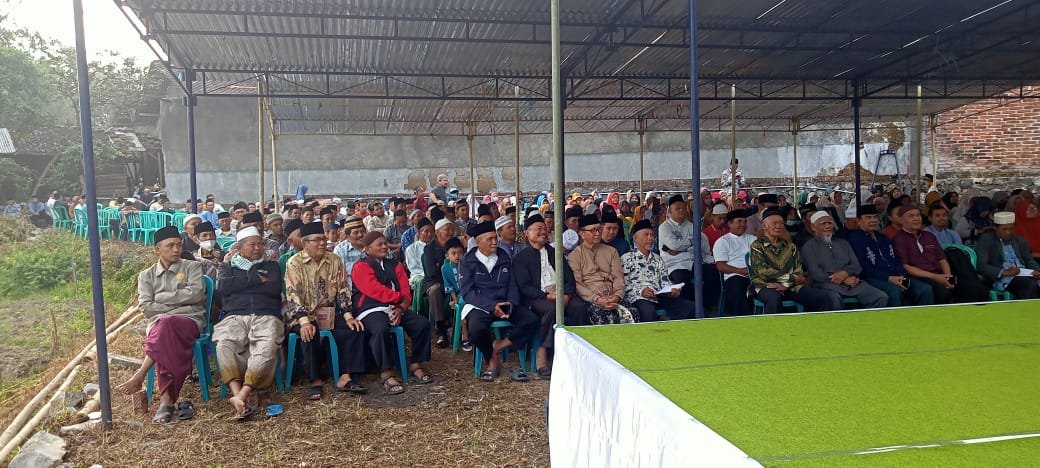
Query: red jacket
x=374, y=290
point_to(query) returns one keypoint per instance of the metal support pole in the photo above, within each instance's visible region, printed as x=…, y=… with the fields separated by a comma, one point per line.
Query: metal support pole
x=516, y=139
x=274, y=156
x=557, y=153
x=260, y=148
x=733, y=142
x=642, y=136
x=470, y=134
x=933, y=121
x=189, y=103
x=919, y=146
x=856, y=103
x=695, y=164
x=93, y=233
x=794, y=141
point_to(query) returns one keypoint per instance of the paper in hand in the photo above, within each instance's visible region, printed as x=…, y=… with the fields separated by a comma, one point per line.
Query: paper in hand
x=667, y=289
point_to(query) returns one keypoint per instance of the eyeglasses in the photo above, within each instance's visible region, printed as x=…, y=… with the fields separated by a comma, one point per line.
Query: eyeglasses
x=593, y=230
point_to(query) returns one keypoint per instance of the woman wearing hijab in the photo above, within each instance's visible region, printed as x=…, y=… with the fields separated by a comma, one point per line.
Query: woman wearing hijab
x=1027, y=225
x=976, y=220
x=613, y=200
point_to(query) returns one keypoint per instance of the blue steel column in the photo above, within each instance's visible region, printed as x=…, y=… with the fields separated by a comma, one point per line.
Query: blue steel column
x=856, y=103
x=189, y=103
x=93, y=234
x=695, y=163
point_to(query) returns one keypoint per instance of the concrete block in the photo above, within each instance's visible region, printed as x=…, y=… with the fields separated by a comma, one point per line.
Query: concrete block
x=91, y=388
x=73, y=400
x=124, y=361
x=43, y=450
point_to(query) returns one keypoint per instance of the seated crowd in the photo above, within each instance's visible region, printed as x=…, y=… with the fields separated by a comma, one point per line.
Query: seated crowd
x=343, y=277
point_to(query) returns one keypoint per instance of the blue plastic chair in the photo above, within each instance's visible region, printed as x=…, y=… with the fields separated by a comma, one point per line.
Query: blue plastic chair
x=203, y=344
x=759, y=306
x=478, y=357
x=225, y=242
x=290, y=360
x=994, y=295
x=401, y=356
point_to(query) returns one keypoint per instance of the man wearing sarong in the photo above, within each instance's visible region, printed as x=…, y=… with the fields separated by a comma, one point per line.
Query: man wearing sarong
x=251, y=333
x=172, y=296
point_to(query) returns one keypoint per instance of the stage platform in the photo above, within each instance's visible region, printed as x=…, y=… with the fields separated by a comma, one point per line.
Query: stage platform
x=924, y=386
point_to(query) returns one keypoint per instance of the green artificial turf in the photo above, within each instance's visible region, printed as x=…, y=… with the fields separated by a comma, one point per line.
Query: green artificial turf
x=807, y=389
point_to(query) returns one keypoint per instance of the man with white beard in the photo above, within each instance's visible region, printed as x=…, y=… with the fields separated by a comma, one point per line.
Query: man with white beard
x=833, y=265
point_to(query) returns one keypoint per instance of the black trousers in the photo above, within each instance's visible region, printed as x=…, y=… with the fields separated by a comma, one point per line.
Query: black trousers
x=573, y=315
x=1024, y=288
x=351, y=346
x=383, y=346
x=677, y=308
x=963, y=291
x=525, y=325
x=814, y=300
x=736, y=301
x=712, y=284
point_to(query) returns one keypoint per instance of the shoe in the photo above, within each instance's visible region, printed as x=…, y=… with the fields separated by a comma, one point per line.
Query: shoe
x=442, y=342
x=467, y=346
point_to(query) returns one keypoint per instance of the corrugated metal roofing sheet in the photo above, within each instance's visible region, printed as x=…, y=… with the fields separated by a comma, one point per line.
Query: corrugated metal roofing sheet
x=6, y=144
x=426, y=52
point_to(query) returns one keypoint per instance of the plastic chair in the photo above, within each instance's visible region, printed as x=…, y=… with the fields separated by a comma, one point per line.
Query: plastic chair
x=79, y=224
x=133, y=225
x=290, y=360
x=419, y=301
x=401, y=357
x=202, y=344
x=478, y=357
x=61, y=219
x=994, y=295
x=225, y=242
x=177, y=219
x=759, y=306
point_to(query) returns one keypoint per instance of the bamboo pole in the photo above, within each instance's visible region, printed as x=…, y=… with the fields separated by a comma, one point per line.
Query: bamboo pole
x=516, y=139
x=642, y=148
x=733, y=143
x=919, y=145
x=794, y=137
x=470, y=131
x=260, y=147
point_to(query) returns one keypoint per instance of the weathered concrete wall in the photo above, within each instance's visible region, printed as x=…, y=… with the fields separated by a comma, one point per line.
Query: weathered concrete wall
x=226, y=149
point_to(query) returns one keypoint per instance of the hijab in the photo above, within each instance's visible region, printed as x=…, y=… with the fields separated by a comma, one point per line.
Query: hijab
x=1027, y=228
x=980, y=205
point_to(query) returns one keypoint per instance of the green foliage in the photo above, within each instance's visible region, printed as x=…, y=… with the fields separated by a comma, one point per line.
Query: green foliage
x=13, y=230
x=66, y=174
x=26, y=86
x=51, y=259
x=15, y=180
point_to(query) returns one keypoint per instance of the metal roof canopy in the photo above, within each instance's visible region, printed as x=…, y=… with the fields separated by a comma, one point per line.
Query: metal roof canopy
x=429, y=66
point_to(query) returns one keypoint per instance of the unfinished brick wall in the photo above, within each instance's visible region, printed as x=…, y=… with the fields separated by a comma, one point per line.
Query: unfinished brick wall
x=992, y=138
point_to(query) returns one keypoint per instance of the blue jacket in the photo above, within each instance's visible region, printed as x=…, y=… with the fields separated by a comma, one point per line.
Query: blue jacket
x=483, y=289
x=877, y=256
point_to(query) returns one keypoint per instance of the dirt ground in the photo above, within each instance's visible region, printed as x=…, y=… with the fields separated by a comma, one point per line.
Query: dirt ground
x=455, y=421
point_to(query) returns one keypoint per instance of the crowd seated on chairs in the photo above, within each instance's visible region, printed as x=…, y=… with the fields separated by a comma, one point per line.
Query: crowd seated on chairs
x=346, y=285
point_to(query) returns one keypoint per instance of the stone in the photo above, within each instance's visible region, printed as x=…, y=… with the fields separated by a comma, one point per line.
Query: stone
x=74, y=400
x=124, y=361
x=43, y=450
x=91, y=388
x=95, y=416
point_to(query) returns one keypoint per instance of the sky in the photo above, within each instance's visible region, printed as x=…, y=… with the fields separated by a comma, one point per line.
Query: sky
x=105, y=26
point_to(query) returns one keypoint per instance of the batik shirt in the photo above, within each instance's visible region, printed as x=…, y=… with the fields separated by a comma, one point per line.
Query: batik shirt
x=310, y=284
x=771, y=263
x=642, y=271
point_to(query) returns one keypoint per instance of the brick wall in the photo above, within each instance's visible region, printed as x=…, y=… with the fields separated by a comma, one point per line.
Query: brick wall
x=992, y=138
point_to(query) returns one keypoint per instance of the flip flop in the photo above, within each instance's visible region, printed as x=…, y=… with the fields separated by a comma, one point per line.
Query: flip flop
x=518, y=375
x=544, y=373
x=185, y=410
x=425, y=379
x=352, y=387
x=249, y=413
x=388, y=387
x=316, y=392
x=489, y=375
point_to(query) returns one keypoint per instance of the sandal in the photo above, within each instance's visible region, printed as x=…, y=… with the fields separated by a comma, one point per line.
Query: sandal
x=315, y=392
x=392, y=388
x=163, y=415
x=518, y=375
x=467, y=346
x=249, y=413
x=185, y=410
x=423, y=379
x=544, y=373
x=442, y=342
x=489, y=375
x=352, y=387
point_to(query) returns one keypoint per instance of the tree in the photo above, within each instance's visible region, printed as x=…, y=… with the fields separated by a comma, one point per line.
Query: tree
x=26, y=90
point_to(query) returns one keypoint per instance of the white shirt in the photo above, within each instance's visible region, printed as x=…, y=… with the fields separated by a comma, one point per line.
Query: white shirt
x=731, y=249
x=677, y=237
x=548, y=279
x=413, y=259
x=488, y=261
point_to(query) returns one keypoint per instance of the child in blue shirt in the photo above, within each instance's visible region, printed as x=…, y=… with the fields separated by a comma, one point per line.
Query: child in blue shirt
x=450, y=273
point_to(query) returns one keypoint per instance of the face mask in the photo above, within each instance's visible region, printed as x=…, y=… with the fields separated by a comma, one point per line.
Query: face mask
x=206, y=245
x=793, y=222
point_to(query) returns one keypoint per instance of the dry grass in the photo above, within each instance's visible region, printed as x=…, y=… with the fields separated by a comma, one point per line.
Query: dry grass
x=456, y=421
